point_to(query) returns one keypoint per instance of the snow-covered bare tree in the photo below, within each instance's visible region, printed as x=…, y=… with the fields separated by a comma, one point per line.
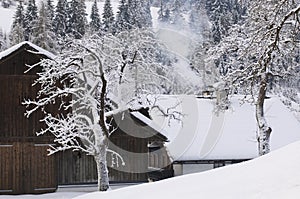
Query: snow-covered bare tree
x=264, y=50
x=91, y=81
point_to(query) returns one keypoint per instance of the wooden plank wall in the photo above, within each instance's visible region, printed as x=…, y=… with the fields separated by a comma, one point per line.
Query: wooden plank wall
x=13, y=91
x=76, y=168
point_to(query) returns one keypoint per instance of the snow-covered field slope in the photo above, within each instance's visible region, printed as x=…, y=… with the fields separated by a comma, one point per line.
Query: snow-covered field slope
x=6, y=18
x=273, y=176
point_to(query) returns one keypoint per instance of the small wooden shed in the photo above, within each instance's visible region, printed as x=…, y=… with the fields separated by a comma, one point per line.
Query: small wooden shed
x=131, y=138
x=24, y=164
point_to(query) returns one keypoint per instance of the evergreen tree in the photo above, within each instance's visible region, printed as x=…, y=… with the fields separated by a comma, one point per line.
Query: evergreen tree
x=77, y=22
x=139, y=13
x=132, y=13
x=198, y=20
x=17, y=30
x=30, y=19
x=3, y=41
x=108, y=17
x=61, y=18
x=176, y=17
x=43, y=35
x=19, y=15
x=222, y=14
x=164, y=11
x=122, y=19
x=146, y=18
x=95, y=24
x=49, y=9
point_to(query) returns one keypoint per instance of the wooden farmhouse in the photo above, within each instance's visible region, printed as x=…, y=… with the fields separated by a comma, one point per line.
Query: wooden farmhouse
x=24, y=164
x=205, y=139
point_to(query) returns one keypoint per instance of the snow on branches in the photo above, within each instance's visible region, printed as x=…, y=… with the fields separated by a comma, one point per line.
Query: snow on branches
x=92, y=79
x=261, y=53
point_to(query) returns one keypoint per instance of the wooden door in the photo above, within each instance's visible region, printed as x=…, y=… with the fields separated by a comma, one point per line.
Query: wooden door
x=26, y=168
x=6, y=168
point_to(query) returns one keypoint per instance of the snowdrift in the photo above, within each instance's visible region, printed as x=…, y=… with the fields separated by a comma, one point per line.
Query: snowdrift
x=276, y=175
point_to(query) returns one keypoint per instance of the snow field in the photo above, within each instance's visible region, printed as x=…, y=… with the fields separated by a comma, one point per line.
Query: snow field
x=273, y=176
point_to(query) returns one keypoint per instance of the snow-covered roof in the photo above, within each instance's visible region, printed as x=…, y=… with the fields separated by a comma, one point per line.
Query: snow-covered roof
x=203, y=135
x=37, y=49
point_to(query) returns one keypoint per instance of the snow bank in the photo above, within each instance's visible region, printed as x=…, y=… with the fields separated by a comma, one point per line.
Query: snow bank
x=275, y=176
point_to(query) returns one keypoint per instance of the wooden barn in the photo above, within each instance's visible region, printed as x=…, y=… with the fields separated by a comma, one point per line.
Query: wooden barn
x=133, y=139
x=24, y=164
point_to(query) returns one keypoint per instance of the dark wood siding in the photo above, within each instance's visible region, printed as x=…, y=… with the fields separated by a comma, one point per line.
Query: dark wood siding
x=76, y=168
x=134, y=152
x=13, y=91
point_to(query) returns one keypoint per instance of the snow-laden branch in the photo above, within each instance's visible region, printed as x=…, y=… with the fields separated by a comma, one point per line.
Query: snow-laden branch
x=92, y=80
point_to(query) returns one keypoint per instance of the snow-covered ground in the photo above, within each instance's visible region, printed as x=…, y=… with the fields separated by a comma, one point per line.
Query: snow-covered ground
x=273, y=176
x=65, y=192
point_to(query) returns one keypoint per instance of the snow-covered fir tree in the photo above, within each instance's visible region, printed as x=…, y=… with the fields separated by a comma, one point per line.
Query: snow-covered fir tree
x=198, y=20
x=16, y=34
x=223, y=14
x=139, y=14
x=3, y=41
x=261, y=52
x=146, y=17
x=108, y=19
x=122, y=18
x=95, y=24
x=42, y=34
x=77, y=22
x=30, y=19
x=164, y=11
x=218, y=12
x=61, y=18
x=176, y=13
x=50, y=13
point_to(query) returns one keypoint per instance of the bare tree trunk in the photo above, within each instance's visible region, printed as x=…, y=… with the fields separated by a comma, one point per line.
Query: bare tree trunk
x=103, y=180
x=264, y=131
